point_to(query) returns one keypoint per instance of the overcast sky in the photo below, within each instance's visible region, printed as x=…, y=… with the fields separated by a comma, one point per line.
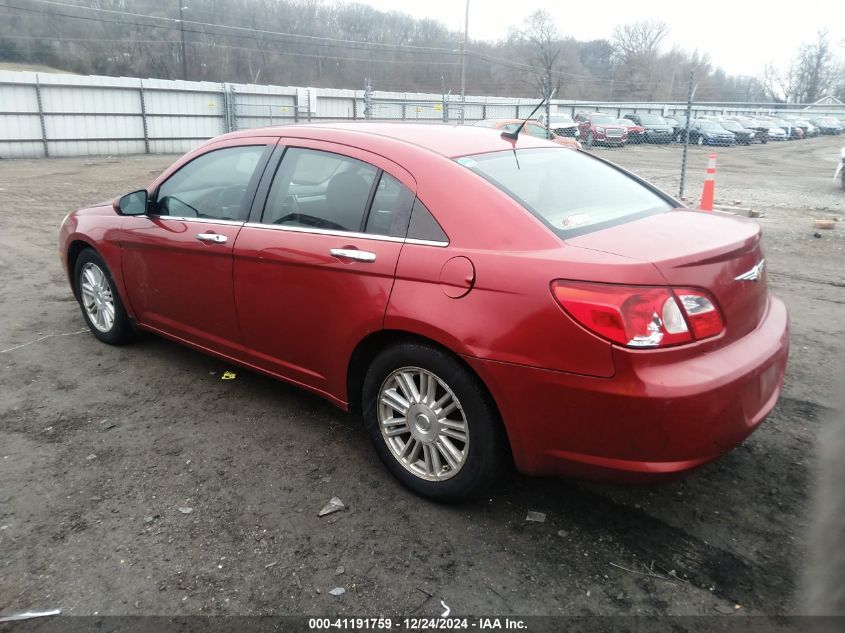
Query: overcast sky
x=741, y=36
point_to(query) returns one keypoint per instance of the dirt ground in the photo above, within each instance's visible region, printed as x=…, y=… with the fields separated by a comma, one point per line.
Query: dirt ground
x=101, y=446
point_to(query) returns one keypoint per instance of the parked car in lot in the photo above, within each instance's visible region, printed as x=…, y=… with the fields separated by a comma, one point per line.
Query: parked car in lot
x=636, y=133
x=561, y=125
x=532, y=128
x=706, y=132
x=792, y=131
x=476, y=299
x=827, y=125
x=744, y=136
x=808, y=128
x=774, y=132
x=657, y=130
x=749, y=123
x=598, y=128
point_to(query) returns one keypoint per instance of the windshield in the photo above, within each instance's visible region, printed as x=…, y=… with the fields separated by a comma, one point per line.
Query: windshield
x=602, y=119
x=570, y=192
x=730, y=125
x=561, y=120
x=652, y=119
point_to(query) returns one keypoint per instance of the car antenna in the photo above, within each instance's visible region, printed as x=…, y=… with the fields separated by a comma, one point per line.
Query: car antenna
x=515, y=134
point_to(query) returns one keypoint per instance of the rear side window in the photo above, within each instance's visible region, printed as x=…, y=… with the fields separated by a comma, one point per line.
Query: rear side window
x=424, y=226
x=391, y=208
x=320, y=190
x=570, y=192
x=211, y=186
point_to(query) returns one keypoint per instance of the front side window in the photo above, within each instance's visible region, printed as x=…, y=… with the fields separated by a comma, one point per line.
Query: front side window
x=212, y=186
x=319, y=189
x=571, y=193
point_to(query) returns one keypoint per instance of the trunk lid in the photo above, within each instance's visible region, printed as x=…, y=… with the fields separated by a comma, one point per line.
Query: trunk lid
x=701, y=250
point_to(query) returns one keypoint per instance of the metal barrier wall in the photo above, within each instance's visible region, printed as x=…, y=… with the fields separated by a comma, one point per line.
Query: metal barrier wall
x=47, y=114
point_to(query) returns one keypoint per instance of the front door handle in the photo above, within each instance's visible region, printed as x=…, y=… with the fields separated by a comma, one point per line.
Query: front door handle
x=353, y=253
x=212, y=237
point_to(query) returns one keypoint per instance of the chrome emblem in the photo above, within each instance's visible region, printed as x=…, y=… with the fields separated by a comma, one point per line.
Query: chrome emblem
x=754, y=274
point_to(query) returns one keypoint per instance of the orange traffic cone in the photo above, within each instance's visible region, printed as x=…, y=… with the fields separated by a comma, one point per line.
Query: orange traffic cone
x=709, y=191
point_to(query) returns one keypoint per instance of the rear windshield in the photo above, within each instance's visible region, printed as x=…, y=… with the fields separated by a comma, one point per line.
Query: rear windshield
x=570, y=192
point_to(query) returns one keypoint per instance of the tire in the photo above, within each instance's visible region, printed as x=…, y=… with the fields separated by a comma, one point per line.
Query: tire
x=765, y=139
x=417, y=455
x=99, y=301
x=591, y=141
x=843, y=179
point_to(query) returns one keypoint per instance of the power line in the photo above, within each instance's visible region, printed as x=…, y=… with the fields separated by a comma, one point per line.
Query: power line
x=230, y=46
x=328, y=40
x=175, y=25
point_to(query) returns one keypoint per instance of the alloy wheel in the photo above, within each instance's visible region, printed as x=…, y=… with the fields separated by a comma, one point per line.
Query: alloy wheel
x=423, y=424
x=97, y=297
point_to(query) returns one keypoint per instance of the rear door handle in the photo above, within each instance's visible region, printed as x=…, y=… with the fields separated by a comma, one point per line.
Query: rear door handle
x=212, y=237
x=353, y=253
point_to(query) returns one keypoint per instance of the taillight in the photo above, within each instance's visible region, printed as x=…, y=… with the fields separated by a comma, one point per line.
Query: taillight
x=640, y=316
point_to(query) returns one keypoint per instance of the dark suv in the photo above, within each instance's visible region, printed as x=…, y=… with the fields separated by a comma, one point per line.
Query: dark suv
x=657, y=130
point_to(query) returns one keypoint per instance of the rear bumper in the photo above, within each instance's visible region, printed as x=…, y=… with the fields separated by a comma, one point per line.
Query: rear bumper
x=662, y=413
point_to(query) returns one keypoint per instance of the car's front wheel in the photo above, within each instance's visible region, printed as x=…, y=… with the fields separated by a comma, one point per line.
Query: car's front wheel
x=100, y=303
x=432, y=423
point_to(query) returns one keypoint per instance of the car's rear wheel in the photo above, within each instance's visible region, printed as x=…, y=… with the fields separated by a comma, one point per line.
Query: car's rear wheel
x=432, y=423
x=100, y=303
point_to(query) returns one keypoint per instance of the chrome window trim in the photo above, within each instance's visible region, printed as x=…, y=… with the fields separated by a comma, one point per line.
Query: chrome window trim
x=413, y=240
x=203, y=220
x=350, y=234
x=307, y=229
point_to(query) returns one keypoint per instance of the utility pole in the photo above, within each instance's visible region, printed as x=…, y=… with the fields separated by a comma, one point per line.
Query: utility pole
x=690, y=91
x=548, y=96
x=182, y=33
x=464, y=63
x=368, y=99
x=444, y=99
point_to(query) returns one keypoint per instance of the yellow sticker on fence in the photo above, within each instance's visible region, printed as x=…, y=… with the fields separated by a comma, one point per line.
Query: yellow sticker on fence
x=228, y=375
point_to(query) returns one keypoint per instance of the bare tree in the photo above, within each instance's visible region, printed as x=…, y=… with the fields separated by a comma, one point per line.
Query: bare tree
x=639, y=40
x=541, y=41
x=812, y=74
x=636, y=51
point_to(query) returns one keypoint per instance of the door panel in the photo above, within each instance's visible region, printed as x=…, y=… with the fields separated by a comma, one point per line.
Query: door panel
x=302, y=310
x=177, y=260
x=307, y=295
x=180, y=284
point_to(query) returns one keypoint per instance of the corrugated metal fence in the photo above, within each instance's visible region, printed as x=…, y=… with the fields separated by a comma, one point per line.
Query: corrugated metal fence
x=44, y=114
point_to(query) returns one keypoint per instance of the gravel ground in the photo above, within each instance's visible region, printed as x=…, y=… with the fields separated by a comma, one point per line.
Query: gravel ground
x=103, y=450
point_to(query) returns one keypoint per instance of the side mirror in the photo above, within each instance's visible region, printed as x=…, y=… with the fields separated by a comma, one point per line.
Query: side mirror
x=134, y=203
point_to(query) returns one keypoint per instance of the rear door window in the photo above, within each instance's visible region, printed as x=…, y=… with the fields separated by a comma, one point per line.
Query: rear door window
x=321, y=190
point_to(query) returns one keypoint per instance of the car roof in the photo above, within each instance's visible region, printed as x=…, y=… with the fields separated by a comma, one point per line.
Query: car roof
x=450, y=140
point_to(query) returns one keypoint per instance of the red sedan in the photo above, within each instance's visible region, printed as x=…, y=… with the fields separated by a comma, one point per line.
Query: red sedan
x=476, y=299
